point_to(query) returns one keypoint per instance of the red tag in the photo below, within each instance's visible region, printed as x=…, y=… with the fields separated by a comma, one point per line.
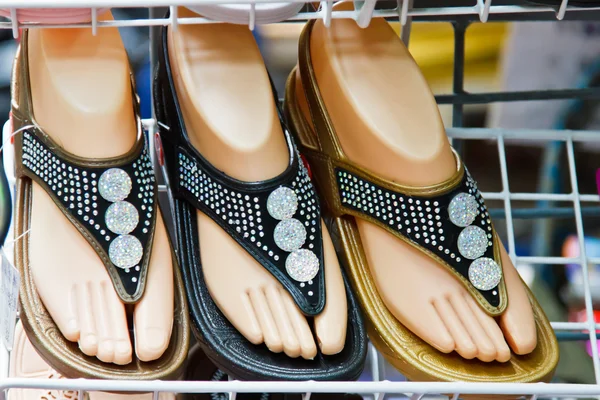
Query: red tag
x=159, y=149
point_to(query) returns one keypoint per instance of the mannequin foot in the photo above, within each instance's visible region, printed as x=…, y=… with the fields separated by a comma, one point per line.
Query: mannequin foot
x=444, y=314
x=82, y=302
x=269, y=315
x=216, y=68
x=408, y=145
x=98, y=122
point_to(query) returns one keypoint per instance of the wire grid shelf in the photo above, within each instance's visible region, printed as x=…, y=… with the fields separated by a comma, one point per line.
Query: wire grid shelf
x=378, y=387
x=404, y=11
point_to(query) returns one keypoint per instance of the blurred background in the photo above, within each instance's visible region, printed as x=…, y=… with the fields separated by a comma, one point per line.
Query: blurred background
x=499, y=56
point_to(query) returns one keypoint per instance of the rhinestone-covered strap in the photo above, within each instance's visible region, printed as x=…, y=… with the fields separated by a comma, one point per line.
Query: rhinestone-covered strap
x=451, y=224
x=112, y=204
x=278, y=222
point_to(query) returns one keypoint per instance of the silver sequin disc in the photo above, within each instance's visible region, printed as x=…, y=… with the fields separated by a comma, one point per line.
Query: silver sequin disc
x=121, y=217
x=282, y=203
x=114, y=184
x=485, y=273
x=463, y=209
x=302, y=265
x=472, y=242
x=289, y=234
x=125, y=251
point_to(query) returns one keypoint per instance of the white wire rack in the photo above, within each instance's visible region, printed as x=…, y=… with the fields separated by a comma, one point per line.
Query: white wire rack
x=482, y=9
x=378, y=387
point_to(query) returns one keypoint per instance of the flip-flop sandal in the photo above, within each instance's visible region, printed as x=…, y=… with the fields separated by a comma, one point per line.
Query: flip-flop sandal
x=249, y=213
x=200, y=368
x=265, y=13
x=26, y=363
x=468, y=247
x=98, y=196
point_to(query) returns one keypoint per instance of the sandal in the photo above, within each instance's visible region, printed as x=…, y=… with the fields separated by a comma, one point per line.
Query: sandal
x=26, y=363
x=202, y=369
x=87, y=191
x=249, y=213
x=467, y=245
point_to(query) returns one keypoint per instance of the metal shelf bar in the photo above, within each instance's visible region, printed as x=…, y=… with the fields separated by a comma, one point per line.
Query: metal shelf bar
x=473, y=13
x=556, y=389
x=589, y=308
x=544, y=212
x=493, y=97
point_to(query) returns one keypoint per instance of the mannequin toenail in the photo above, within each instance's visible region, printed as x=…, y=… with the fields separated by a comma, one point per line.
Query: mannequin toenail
x=122, y=347
x=90, y=340
x=106, y=347
x=154, y=339
x=72, y=325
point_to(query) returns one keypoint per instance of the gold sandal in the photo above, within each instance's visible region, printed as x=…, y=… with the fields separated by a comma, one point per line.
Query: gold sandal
x=453, y=228
x=76, y=187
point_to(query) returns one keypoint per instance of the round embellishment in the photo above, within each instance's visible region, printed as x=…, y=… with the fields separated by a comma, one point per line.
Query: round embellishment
x=463, y=209
x=114, y=184
x=472, y=242
x=121, y=217
x=282, y=203
x=302, y=265
x=485, y=273
x=125, y=251
x=289, y=234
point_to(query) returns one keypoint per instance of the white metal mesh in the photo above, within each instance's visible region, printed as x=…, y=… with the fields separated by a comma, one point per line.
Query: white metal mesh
x=378, y=388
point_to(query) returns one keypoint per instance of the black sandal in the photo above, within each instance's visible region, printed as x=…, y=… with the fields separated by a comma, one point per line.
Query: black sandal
x=258, y=216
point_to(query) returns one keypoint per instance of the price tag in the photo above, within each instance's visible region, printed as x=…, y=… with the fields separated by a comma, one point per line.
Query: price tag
x=9, y=294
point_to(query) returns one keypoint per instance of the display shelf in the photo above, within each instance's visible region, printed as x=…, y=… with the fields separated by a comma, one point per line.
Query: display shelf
x=377, y=387
x=480, y=10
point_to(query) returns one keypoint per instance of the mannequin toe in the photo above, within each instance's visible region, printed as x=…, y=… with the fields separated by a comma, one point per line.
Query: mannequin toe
x=122, y=352
x=331, y=338
x=249, y=327
x=153, y=315
x=88, y=338
x=517, y=322
x=438, y=335
x=330, y=329
x=491, y=328
x=291, y=345
x=69, y=329
x=267, y=322
x=463, y=342
x=151, y=343
x=89, y=345
x=520, y=339
x=106, y=351
x=308, y=348
x=486, y=351
x=117, y=324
